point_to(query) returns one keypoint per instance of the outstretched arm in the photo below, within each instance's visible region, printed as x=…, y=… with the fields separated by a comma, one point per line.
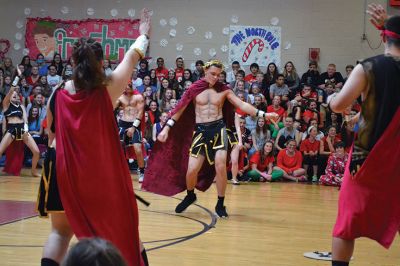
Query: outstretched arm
x=121, y=75
x=248, y=108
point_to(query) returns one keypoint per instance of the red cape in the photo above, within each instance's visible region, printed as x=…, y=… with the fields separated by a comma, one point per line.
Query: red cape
x=167, y=166
x=14, y=158
x=369, y=201
x=92, y=174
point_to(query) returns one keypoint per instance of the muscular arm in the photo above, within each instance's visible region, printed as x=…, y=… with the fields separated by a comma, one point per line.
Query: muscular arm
x=352, y=89
x=6, y=100
x=121, y=75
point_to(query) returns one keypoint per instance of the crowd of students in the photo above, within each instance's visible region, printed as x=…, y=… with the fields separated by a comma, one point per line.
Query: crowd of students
x=321, y=137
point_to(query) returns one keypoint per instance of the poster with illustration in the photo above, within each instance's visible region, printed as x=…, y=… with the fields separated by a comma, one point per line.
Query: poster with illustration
x=48, y=36
x=255, y=44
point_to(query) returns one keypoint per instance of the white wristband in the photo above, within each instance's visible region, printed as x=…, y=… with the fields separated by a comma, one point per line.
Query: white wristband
x=260, y=113
x=136, y=123
x=170, y=122
x=26, y=128
x=140, y=45
x=15, y=82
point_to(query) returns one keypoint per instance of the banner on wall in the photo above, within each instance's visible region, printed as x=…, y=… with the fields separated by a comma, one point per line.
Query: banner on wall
x=48, y=36
x=255, y=44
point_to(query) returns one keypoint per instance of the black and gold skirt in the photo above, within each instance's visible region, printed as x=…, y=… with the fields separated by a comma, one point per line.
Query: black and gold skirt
x=48, y=197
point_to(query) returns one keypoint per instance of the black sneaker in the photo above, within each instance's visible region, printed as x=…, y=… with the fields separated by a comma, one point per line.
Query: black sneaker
x=186, y=202
x=221, y=212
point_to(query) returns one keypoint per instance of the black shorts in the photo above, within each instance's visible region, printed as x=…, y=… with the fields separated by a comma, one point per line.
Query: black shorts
x=16, y=130
x=48, y=197
x=208, y=138
x=310, y=160
x=123, y=127
x=232, y=137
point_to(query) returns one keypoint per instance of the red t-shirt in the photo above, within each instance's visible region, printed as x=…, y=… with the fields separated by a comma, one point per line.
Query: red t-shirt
x=250, y=78
x=307, y=145
x=310, y=114
x=161, y=73
x=179, y=73
x=289, y=163
x=256, y=159
x=326, y=146
x=281, y=111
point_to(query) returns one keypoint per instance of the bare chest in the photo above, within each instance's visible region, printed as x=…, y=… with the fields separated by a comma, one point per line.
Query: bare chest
x=210, y=97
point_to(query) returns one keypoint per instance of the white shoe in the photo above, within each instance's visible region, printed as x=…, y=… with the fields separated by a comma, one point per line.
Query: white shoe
x=141, y=177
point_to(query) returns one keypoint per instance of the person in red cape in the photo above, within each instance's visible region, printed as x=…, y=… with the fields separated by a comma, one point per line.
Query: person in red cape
x=131, y=129
x=94, y=182
x=370, y=193
x=16, y=135
x=205, y=109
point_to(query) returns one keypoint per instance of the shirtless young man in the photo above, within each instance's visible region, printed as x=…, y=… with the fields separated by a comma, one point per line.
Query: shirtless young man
x=210, y=139
x=129, y=125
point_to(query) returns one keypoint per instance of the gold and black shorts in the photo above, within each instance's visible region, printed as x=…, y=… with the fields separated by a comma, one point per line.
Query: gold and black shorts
x=16, y=130
x=208, y=138
x=48, y=197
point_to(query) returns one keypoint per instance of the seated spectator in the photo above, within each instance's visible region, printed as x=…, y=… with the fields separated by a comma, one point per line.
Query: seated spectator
x=287, y=133
x=35, y=125
x=149, y=95
x=250, y=78
x=311, y=112
x=270, y=76
x=52, y=78
x=157, y=127
x=107, y=67
x=231, y=75
x=198, y=73
x=25, y=90
x=41, y=63
x=180, y=68
x=222, y=77
x=39, y=102
x=239, y=77
x=94, y=252
x=57, y=61
x=47, y=90
x=161, y=70
x=262, y=165
x=240, y=87
x=310, y=149
x=259, y=135
x=255, y=91
x=279, y=88
x=289, y=161
x=313, y=123
x=143, y=69
x=292, y=79
x=349, y=69
x=335, y=167
x=34, y=77
x=153, y=78
x=136, y=81
x=148, y=133
x=276, y=124
x=165, y=99
x=26, y=62
x=312, y=76
x=146, y=83
x=328, y=142
x=154, y=112
x=332, y=76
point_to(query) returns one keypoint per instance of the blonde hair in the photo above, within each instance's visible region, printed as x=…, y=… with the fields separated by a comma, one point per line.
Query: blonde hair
x=215, y=63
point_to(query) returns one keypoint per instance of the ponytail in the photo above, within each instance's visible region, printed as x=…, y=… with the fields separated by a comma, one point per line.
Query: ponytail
x=88, y=73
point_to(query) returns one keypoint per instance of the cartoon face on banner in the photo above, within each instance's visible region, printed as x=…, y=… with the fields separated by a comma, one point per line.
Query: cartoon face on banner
x=49, y=36
x=255, y=44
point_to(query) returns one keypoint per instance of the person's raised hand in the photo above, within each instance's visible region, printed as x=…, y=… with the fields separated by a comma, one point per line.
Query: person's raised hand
x=145, y=22
x=378, y=15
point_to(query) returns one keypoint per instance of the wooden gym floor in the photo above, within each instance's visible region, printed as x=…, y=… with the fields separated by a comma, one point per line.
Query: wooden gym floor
x=269, y=224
